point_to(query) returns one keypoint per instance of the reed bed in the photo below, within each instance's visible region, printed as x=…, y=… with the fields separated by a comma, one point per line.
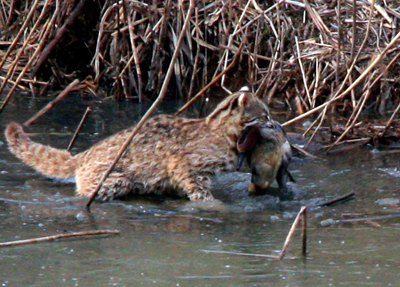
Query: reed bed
x=332, y=61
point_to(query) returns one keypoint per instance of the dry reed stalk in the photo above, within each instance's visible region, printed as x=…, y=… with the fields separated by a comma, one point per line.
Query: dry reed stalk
x=373, y=84
x=196, y=58
x=15, y=62
x=11, y=14
x=135, y=55
x=32, y=58
x=320, y=118
x=336, y=96
x=258, y=56
x=390, y=121
x=302, y=71
x=319, y=23
x=46, y=53
x=97, y=56
x=376, y=60
x=20, y=33
x=44, y=110
x=289, y=237
x=150, y=110
x=339, y=41
x=11, y=82
x=331, y=56
x=224, y=58
x=58, y=236
x=354, y=31
x=216, y=79
x=78, y=129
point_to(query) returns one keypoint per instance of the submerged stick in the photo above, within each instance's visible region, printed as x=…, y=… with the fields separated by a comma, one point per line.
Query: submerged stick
x=245, y=254
x=78, y=129
x=291, y=233
x=216, y=79
x=303, y=151
x=58, y=236
x=340, y=199
x=331, y=221
x=151, y=109
x=51, y=104
x=304, y=233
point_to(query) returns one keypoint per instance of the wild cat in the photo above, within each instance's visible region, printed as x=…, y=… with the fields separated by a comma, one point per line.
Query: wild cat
x=268, y=153
x=169, y=154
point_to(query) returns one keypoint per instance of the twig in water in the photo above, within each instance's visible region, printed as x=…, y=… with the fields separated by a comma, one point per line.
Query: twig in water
x=356, y=143
x=331, y=221
x=151, y=109
x=291, y=233
x=51, y=104
x=338, y=200
x=246, y=254
x=58, y=236
x=303, y=151
x=78, y=129
x=304, y=233
x=216, y=79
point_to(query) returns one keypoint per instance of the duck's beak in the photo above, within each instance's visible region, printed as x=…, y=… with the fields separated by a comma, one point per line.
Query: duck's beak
x=248, y=138
x=242, y=156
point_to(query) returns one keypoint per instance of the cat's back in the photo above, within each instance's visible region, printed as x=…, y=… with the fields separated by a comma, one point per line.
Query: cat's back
x=162, y=132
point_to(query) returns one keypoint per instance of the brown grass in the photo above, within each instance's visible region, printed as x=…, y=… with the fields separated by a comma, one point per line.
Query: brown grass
x=324, y=58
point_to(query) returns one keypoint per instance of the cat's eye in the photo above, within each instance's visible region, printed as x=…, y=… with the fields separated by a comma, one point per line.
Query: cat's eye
x=269, y=125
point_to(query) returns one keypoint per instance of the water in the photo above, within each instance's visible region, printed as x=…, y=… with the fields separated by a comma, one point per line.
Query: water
x=167, y=242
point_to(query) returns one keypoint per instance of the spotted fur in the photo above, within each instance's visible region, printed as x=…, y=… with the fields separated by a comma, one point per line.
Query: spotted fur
x=168, y=154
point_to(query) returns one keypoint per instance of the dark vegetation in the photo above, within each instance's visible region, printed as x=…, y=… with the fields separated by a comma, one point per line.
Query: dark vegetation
x=333, y=60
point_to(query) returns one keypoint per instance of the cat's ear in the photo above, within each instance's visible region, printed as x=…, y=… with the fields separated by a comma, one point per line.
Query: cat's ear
x=243, y=100
x=247, y=88
x=245, y=97
x=248, y=138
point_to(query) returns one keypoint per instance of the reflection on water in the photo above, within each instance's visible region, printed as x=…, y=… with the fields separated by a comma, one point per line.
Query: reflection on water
x=162, y=241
